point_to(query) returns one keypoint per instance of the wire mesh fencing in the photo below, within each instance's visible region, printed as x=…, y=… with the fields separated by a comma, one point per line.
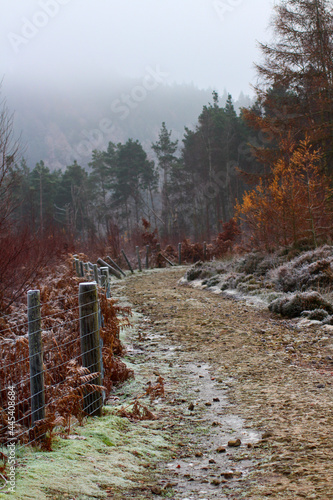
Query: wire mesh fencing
x=51, y=367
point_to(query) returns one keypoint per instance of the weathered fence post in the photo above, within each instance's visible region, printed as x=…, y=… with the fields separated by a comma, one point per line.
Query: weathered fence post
x=115, y=265
x=96, y=277
x=204, y=250
x=180, y=254
x=36, y=357
x=77, y=267
x=74, y=263
x=113, y=271
x=90, y=344
x=81, y=269
x=106, y=280
x=139, y=259
x=128, y=262
x=147, y=256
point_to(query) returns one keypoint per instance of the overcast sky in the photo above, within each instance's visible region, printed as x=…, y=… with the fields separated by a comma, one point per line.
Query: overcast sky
x=70, y=43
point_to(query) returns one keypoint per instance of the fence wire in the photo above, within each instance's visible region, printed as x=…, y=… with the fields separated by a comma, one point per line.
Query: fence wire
x=70, y=389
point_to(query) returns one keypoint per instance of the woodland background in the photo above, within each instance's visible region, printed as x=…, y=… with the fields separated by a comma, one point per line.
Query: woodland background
x=259, y=177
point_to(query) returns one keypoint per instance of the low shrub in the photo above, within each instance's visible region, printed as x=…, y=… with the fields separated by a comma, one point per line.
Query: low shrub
x=293, y=305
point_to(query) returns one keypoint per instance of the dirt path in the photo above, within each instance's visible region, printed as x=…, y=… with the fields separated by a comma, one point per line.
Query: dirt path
x=231, y=372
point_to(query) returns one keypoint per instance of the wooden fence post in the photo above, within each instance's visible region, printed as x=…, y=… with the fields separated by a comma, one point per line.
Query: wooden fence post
x=90, y=345
x=113, y=271
x=115, y=265
x=77, y=267
x=147, y=256
x=96, y=277
x=128, y=262
x=180, y=254
x=106, y=280
x=81, y=269
x=36, y=357
x=139, y=259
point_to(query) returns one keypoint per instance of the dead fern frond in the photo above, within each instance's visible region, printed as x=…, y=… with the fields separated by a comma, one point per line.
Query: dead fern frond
x=138, y=412
x=157, y=390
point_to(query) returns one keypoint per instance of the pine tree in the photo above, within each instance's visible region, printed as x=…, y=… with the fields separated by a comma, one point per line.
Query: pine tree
x=165, y=150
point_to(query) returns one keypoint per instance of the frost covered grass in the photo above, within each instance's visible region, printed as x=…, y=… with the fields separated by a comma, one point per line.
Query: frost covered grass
x=291, y=282
x=108, y=454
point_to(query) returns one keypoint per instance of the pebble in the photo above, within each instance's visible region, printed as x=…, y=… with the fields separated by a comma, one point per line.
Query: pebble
x=199, y=454
x=212, y=461
x=208, y=403
x=234, y=443
x=221, y=449
x=228, y=475
x=156, y=490
x=191, y=407
x=216, y=482
x=216, y=400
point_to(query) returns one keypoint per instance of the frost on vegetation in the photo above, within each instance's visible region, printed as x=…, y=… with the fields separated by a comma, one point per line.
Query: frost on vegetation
x=294, y=305
x=274, y=275
x=310, y=270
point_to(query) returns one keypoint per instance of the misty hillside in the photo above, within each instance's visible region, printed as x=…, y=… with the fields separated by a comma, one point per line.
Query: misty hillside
x=60, y=127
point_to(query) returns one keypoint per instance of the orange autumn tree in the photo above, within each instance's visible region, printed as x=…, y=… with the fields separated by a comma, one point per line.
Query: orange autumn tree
x=294, y=203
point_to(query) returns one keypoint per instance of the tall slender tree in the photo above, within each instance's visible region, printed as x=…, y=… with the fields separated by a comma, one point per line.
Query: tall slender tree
x=165, y=150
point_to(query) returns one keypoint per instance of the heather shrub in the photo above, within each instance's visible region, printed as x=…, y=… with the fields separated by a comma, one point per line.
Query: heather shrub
x=293, y=305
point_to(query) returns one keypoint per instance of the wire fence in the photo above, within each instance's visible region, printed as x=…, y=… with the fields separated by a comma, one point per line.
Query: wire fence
x=52, y=353
x=51, y=369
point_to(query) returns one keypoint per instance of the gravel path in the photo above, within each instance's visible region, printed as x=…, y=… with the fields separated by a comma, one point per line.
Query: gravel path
x=232, y=372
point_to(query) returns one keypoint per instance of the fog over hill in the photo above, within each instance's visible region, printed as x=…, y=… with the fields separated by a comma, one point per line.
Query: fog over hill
x=59, y=127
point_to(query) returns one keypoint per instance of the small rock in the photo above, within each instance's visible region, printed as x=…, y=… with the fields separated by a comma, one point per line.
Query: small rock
x=249, y=445
x=221, y=449
x=156, y=490
x=321, y=386
x=211, y=461
x=228, y=475
x=215, y=424
x=208, y=403
x=234, y=443
x=191, y=407
x=266, y=435
x=199, y=454
x=216, y=400
x=216, y=482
